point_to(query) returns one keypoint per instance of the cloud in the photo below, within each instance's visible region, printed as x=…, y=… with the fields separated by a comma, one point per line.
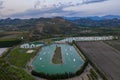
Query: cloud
x=92, y=1
x=46, y=12
x=1, y=7
x=1, y=4
x=37, y=4
x=47, y=8
x=44, y=3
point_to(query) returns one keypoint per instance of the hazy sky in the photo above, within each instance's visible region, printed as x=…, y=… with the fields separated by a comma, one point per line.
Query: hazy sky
x=50, y=8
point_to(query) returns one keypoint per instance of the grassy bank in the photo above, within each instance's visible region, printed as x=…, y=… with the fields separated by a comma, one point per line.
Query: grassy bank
x=57, y=57
x=8, y=72
x=19, y=57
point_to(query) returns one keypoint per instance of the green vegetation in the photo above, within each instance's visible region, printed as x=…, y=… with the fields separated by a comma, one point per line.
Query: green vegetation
x=19, y=57
x=53, y=77
x=60, y=76
x=57, y=39
x=2, y=35
x=13, y=63
x=9, y=42
x=82, y=68
x=8, y=72
x=93, y=74
x=57, y=57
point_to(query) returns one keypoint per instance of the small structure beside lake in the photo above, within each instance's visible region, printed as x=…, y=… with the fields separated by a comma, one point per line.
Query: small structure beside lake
x=29, y=45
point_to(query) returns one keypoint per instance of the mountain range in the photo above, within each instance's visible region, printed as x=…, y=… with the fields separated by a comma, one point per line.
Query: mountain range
x=94, y=17
x=37, y=28
x=60, y=24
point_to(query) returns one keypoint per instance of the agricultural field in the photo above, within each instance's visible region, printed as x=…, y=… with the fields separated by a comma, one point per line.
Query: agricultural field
x=104, y=57
x=11, y=34
x=115, y=44
x=19, y=57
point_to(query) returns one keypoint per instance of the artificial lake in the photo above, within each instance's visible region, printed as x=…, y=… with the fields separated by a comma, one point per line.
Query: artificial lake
x=72, y=61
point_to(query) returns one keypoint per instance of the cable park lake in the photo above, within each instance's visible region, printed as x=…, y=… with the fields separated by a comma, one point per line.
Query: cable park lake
x=71, y=60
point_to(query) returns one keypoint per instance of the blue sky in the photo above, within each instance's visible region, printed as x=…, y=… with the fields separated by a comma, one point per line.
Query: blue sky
x=50, y=8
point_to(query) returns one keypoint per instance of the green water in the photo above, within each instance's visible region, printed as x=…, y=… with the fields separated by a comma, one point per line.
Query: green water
x=72, y=60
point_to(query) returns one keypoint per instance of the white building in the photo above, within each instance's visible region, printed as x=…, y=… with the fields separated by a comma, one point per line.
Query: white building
x=32, y=46
x=24, y=45
x=28, y=46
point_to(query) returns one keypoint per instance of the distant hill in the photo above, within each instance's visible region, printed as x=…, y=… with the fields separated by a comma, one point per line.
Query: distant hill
x=107, y=23
x=37, y=28
x=95, y=21
x=44, y=26
x=94, y=17
x=58, y=24
x=111, y=17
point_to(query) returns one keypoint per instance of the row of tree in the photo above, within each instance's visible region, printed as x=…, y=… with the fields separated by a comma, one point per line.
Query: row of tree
x=60, y=76
x=9, y=43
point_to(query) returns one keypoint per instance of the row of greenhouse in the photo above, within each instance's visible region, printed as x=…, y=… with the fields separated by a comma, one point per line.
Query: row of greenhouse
x=96, y=38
